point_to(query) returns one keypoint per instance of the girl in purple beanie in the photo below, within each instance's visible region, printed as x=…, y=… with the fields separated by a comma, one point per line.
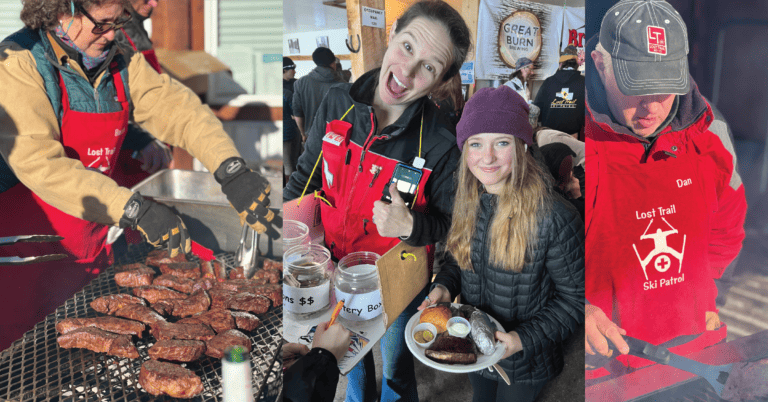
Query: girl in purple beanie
x=516, y=248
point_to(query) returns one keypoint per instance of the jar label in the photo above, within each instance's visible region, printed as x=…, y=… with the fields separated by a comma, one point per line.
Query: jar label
x=306, y=300
x=360, y=306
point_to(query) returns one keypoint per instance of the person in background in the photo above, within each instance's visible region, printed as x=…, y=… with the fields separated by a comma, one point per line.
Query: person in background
x=377, y=126
x=310, y=90
x=515, y=248
x=665, y=206
x=67, y=96
x=312, y=375
x=291, y=133
x=561, y=97
x=560, y=161
x=521, y=77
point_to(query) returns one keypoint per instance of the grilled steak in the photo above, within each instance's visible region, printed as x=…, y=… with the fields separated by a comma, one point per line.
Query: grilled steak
x=174, y=282
x=165, y=330
x=189, y=270
x=160, y=378
x=99, y=341
x=237, y=273
x=196, y=303
x=240, y=285
x=138, y=312
x=154, y=293
x=136, y=277
x=111, y=324
x=157, y=257
x=271, y=275
x=245, y=321
x=272, y=264
x=451, y=350
x=250, y=302
x=216, y=346
x=219, y=320
x=204, y=284
x=747, y=382
x=111, y=303
x=180, y=350
x=274, y=292
x=129, y=267
x=220, y=297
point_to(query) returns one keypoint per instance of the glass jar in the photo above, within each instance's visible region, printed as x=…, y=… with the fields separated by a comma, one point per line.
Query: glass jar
x=356, y=281
x=295, y=233
x=306, y=285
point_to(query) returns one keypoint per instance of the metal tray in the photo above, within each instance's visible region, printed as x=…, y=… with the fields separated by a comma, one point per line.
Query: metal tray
x=210, y=219
x=35, y=368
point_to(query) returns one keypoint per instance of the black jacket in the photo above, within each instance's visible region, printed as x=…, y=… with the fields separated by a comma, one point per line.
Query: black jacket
x=399, y=141
x=309, y=91
x=557, y=111
x=290, y=129
x=544, y=303
x=312, y=378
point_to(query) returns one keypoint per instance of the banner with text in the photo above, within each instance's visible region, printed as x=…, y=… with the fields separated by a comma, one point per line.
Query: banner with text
x=510, y=29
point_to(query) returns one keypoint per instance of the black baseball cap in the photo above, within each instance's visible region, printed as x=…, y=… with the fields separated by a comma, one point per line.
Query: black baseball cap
x=648, y=42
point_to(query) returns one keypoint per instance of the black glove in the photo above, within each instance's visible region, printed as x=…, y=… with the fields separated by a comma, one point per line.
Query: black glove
x=157, y=224
x=248, y=192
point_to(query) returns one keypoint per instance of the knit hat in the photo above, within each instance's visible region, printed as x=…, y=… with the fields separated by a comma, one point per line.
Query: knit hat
x=323, y=56
x=522, y=62
x=559, y=159
x=288, y=64
x=495, y=110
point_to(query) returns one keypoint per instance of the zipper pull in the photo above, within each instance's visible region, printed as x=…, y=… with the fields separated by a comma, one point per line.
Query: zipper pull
x=365, y=222
x=375, y=169
x=348, y=157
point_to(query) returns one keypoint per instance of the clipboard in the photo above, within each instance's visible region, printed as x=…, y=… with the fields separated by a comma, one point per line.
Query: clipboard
x=403, y=273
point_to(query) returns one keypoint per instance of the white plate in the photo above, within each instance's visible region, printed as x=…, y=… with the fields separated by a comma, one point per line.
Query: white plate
x=482, y=362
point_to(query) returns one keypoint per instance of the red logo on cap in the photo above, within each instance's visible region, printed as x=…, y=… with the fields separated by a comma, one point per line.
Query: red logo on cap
x=657, y=40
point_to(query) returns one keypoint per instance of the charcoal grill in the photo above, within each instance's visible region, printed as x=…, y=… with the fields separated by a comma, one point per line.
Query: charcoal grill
x=35, y=368
x=659, y=383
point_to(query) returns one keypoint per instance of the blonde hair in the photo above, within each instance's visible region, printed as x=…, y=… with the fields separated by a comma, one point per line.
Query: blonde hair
x=525, y=197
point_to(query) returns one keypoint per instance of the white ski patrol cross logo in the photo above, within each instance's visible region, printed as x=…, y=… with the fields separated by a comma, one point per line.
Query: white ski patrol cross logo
x=661, y=253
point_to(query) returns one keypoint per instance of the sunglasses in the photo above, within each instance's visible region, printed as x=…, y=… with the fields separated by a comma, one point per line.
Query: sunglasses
x=104, y=27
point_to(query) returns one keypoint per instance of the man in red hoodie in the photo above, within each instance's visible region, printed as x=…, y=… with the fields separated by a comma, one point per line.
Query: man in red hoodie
x=665, y=206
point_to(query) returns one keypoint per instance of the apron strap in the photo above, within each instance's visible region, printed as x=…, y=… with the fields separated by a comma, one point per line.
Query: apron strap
x=133, y=45
x=118, y=79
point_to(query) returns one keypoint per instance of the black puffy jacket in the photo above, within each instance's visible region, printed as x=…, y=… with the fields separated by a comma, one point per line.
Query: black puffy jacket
x=544, y=303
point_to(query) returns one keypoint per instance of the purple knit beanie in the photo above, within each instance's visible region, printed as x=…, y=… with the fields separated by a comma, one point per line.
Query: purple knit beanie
x=495, y=110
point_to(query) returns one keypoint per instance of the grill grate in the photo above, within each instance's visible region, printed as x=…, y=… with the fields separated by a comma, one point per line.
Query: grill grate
x=35, y=368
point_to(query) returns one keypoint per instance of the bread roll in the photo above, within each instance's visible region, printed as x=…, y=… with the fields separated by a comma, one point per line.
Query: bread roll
x=437, y=316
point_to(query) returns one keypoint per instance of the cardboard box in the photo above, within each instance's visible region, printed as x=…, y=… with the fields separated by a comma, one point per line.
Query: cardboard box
x=190, y=67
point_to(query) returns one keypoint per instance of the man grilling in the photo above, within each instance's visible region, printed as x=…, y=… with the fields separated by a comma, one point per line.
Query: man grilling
x=665, y=206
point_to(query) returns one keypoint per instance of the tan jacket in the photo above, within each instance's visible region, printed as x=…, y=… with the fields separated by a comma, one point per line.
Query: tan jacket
x=30, y=133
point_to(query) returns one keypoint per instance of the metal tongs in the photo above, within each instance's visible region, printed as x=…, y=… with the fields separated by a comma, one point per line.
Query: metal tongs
x=247, y=254
x=4, y=241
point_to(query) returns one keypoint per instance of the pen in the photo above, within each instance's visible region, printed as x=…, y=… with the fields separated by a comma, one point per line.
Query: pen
x=336, y=312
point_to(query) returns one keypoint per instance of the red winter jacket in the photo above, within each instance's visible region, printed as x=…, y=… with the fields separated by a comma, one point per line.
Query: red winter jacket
x=693, y=131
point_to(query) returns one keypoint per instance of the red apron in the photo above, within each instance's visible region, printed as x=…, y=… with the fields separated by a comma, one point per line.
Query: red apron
x=33, y=291
x=649, y=238
x=353, y=179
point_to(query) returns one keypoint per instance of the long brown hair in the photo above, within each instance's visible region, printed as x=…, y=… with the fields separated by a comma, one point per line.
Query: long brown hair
x=526, y=197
